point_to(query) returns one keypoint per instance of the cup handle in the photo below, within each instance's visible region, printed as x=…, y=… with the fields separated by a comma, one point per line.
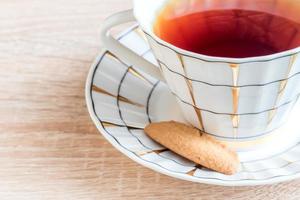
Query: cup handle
x=120, y=50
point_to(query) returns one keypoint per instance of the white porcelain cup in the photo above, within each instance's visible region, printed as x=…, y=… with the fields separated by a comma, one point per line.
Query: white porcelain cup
x=231, y=99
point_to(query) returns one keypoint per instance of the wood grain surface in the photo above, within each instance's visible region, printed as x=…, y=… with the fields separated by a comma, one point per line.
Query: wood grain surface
x=49, y=147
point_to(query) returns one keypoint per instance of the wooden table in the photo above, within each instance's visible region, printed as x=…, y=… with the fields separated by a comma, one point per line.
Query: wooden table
x=49, y=147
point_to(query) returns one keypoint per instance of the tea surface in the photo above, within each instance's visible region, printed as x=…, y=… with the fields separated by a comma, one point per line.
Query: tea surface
x=228, y=33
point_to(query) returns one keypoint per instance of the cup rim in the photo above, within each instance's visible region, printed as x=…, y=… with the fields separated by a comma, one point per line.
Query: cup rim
x=216, y=59
x=206, y=58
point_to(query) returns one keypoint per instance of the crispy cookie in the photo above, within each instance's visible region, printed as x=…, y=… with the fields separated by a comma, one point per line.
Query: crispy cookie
x=190, y=143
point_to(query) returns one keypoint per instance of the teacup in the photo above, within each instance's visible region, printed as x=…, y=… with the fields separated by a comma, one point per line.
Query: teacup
x=229, y=98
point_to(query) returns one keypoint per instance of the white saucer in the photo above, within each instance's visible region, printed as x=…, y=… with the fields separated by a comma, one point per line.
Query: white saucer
x=122, y=101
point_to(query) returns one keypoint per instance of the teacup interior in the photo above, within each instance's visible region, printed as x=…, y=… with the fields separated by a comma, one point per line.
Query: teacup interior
x=268, y=26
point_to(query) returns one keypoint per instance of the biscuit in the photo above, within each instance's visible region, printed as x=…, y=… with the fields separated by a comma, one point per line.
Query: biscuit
x=190, y=143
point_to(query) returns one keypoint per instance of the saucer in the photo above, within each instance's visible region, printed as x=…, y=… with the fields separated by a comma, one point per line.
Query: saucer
x=122, y=101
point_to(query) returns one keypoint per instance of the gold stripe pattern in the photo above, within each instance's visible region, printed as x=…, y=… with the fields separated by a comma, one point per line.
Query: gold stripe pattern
x=111, y=55
x=123, y=99
x=192, y=172
x=271, y=115
x=235, y=118
x=153, y=151
x=287, y=160
x=160, y=67
x=282, y=87
x=131, y=70
x=191, y=91
x=138, y=74
x=108, y=124
x=141, y=34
